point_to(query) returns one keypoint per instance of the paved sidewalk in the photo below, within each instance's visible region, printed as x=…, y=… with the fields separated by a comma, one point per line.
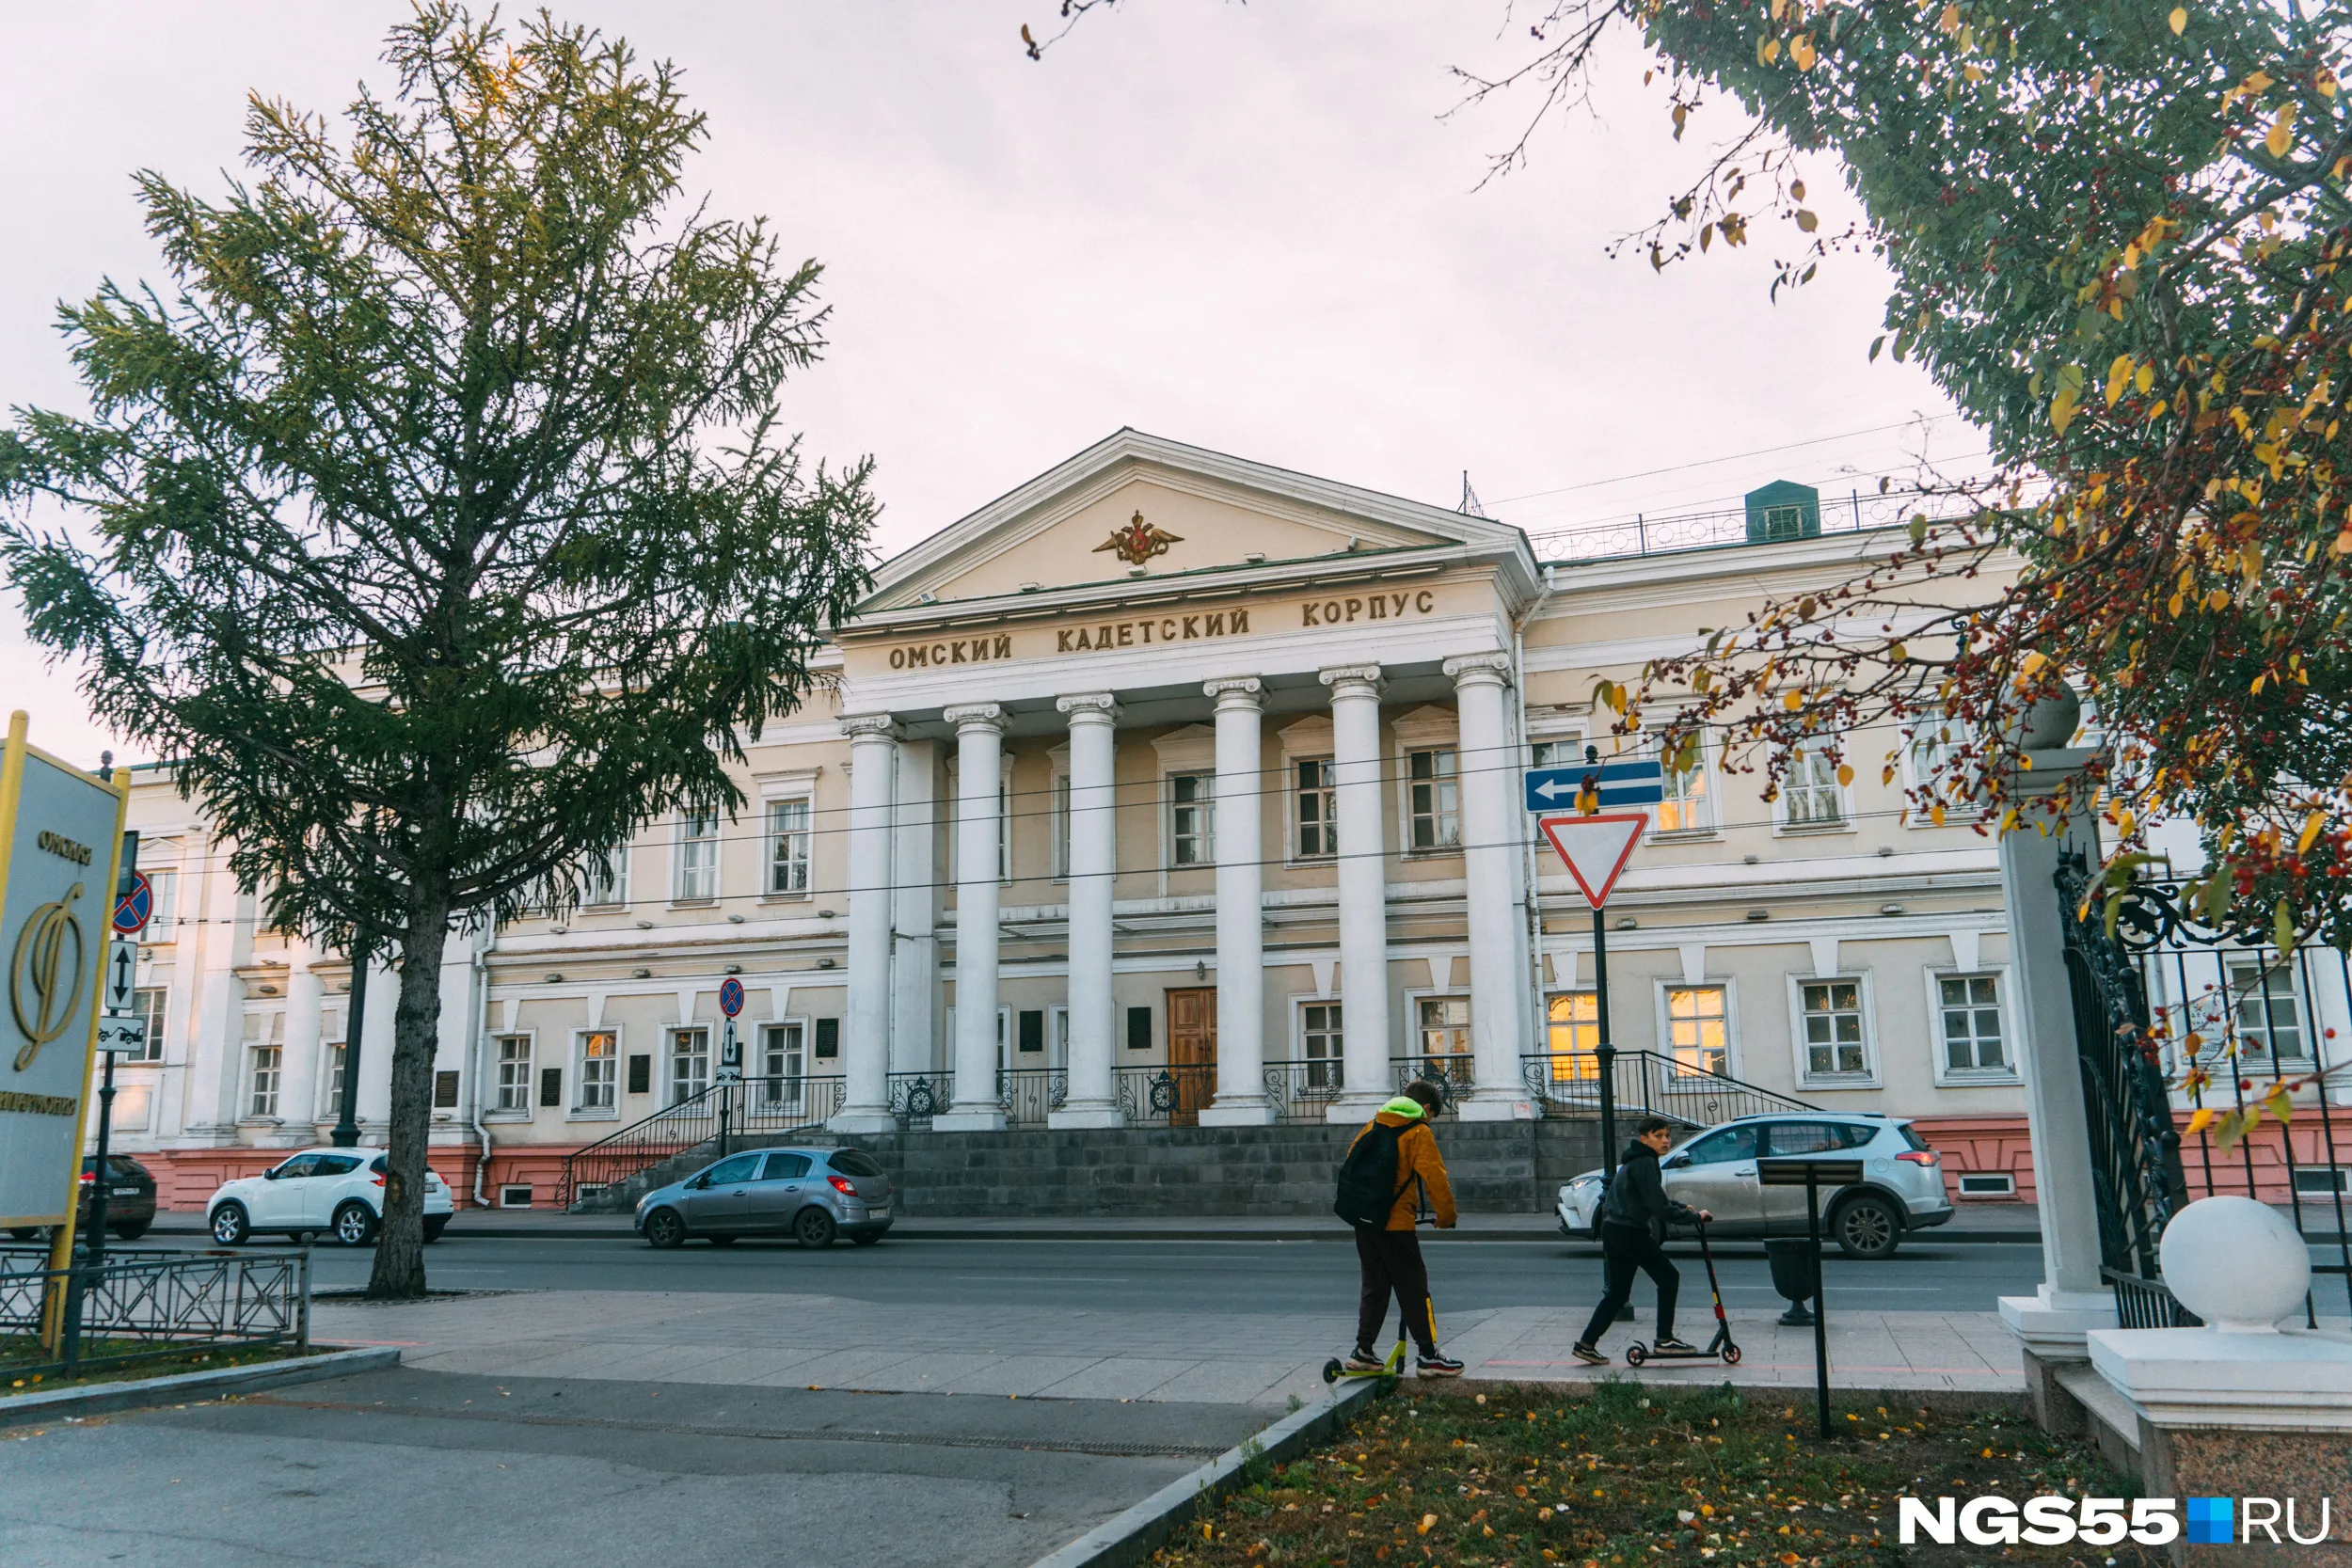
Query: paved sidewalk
x=1968, y=1352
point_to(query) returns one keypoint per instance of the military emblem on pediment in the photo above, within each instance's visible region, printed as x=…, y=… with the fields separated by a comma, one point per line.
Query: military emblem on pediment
x=1139, y=541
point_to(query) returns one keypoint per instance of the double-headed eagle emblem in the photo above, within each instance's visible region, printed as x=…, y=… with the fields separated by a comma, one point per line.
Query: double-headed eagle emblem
x=1139, y=542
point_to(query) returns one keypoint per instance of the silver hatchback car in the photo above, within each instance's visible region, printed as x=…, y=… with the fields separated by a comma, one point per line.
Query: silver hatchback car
x=1902, y=1188
x=811, y=1194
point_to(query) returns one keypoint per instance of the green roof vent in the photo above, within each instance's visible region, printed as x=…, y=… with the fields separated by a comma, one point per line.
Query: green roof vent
x=1783, y=510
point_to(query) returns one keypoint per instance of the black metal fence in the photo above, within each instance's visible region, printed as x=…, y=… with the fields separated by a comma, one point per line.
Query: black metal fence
x=2174, y=1018
x=766, y=1108
x=158, y=1304
x=1645, y=1082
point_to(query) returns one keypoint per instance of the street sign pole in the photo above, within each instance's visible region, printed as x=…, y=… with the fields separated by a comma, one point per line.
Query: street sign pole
x=1811, y=1175
x=347, y=1132
x=94, y=1242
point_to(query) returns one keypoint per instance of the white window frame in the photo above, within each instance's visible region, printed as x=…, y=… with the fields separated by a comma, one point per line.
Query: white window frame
x=1057, y=806
x=1004, y=822
x=1440, y=785
x=498, y=1110
x=330, y=1105
x=1292, y=793
x=1923, y=732
x=1947, y=1076
x=772, y=840
x=756, y=1066
x=1004, y=1036
x=1057, y=1037
x=269, y=1038
x=1204, y=803
x=581, y=1110
x=1730, y=986
x=1414, y=1053
x=164, y=919
x=670, y=1032
x=1865, y=1002
x=2236, y=961
x=1783, y=826
x=682, y=840
x=591, y=884
x=1707, y=826
x=152, y=1014
x=1337, y=1055
x=1567, y=748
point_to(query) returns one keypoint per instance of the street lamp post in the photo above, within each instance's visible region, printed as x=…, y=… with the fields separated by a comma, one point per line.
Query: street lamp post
x=347, y=1132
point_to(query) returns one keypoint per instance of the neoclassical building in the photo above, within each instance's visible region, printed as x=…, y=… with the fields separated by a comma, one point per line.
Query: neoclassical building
x=1169, y=786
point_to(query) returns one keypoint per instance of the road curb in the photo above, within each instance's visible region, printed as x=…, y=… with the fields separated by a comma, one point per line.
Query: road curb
x=180, y=1388
x=941, y=1232
x=1133, y=1536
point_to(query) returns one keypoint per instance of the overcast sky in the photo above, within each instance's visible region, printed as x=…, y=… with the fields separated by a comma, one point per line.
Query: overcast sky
x=1246, y=227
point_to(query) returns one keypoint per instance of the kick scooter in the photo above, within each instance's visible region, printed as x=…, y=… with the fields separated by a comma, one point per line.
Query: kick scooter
x=1637, y=1353
x=1390, y=1371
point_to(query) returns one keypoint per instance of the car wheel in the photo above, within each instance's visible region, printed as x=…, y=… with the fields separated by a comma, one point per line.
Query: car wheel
x=434, y=1226
x=1867, y=1227
x=813, y=1228
x=354, y=1223
x=130, y=1230
x=664, y=1230
x=866, y=1238
x=719, y=1240
x=232, y=1225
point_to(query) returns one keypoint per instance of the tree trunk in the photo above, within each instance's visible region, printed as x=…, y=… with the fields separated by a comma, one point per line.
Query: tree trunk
x=398, y=1272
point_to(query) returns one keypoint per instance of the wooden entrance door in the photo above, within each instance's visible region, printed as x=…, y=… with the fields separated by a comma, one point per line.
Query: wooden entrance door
x=1192, y=1052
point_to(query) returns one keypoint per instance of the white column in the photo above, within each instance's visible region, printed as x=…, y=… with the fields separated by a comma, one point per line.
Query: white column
x=914, y=950
x=1490, y=848
x=1363, y=858
x=979, y=758
x=2071, y=1299
x=865, y=1046
x=223, y=944
x=375, y=1047
x=299, y=1057
x=1093, y=869
x=1241, y=1097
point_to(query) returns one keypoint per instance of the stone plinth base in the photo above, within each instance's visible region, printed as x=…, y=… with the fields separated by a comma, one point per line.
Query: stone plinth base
x=1499, y=1107
x=2199, y=1377
x=2052, y=1324
x=968, y=1121
x=1085, y=1116
x=859, y=1124
x=1260, y=1115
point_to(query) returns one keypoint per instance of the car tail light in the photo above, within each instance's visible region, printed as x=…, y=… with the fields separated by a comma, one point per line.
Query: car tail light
x=1920, y=1157
x=378, y=1179
x=843, y=1185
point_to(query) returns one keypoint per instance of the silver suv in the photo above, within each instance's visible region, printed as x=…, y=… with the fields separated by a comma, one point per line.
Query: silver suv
x=812, y=1194
x=1902, y=1188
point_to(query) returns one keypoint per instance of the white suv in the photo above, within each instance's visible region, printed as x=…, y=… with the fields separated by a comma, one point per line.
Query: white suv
x=337, y=1192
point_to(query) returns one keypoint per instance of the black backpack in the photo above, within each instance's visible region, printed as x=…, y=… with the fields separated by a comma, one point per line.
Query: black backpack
x=1367, y=1179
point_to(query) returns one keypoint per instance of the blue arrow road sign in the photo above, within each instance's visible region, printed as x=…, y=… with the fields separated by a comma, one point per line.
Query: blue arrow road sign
x=1634, y=782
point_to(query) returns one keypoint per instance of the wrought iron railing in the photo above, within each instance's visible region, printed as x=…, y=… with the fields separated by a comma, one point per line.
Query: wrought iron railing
x=161, y=1303
x=1304, y=1091
x=2147, y=1303
x=717, y=1119
x=1172, y=1096
x=1646, y=1082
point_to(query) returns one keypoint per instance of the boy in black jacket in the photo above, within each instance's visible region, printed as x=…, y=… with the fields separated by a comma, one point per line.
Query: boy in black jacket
x=1631, y=1217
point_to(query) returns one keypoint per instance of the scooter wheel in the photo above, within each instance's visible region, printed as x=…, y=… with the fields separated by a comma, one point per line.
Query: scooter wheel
x=1331, y=1370
x=1731, y=1355
x=1635, y=1355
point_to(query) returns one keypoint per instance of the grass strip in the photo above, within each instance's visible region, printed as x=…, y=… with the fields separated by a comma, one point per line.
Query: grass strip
x=19, y=1354
x=1629, y=1474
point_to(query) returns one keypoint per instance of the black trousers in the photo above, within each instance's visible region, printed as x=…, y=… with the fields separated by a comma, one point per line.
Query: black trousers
x=1391, y=1265
x=1627, y=1249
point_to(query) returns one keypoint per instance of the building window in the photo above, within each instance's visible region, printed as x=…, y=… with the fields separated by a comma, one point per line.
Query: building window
x=2263, y=1000
x=165, y=910
x=1061, y=827
x=1698, y=1033
x=336, y=1053
x=1830, y=1011
x=513, y=1079
x=1444, y=1025
x=1811, y=796
x=781, y=1065
x=1559, y=751
x=1970, y=1008
x=1434, y=799
x=604, y=880
x=1937, y=748
x=1575, y=1030
x=1783, y=522
x=599, y=1069
x=148, y=1005
x=697, y=857
x=264, y=1062
x=1684, y=807
x=689, y=1063
x=1318, y=809
x=788, y=847
x=1319, y=1044
x=1192, y=819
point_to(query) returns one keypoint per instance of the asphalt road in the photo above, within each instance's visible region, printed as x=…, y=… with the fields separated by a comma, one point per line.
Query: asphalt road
x=419, y=1469
x=972, y=1274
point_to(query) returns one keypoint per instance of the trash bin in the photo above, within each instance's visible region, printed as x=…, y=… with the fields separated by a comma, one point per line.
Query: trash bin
x=1796, y=1275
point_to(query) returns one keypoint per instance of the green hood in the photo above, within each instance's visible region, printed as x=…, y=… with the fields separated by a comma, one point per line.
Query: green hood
x=1404, y=1105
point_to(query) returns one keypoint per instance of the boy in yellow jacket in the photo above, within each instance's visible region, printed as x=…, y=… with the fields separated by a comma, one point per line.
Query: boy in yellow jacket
x=1390, y=1259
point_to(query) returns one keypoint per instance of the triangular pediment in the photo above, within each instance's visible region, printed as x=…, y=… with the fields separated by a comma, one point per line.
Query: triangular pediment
x=1136, y=505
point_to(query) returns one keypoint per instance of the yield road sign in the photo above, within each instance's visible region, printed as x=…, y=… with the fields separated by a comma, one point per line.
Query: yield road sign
x=1594, y=849
x=124, y=1035
x=1632, y=782
x=731, y=997
x=123, y=970
x=136, y=907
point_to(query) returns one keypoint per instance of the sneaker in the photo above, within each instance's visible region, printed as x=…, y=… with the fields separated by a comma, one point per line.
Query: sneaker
x=1666, y=1344
x=1364, y=1361
x=1587, y=1355
x=1436, y=1366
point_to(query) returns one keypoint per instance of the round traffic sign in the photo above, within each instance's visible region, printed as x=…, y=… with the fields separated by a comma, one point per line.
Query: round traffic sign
x=133, y=909
x=731, y=997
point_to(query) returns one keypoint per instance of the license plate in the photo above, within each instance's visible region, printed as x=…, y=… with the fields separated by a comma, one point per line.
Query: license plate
x=126, y=1192
x=881, y=1213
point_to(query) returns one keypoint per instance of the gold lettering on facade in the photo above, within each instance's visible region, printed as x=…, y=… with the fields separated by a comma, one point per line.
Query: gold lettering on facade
x=1144, y=632
x=966, y=650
